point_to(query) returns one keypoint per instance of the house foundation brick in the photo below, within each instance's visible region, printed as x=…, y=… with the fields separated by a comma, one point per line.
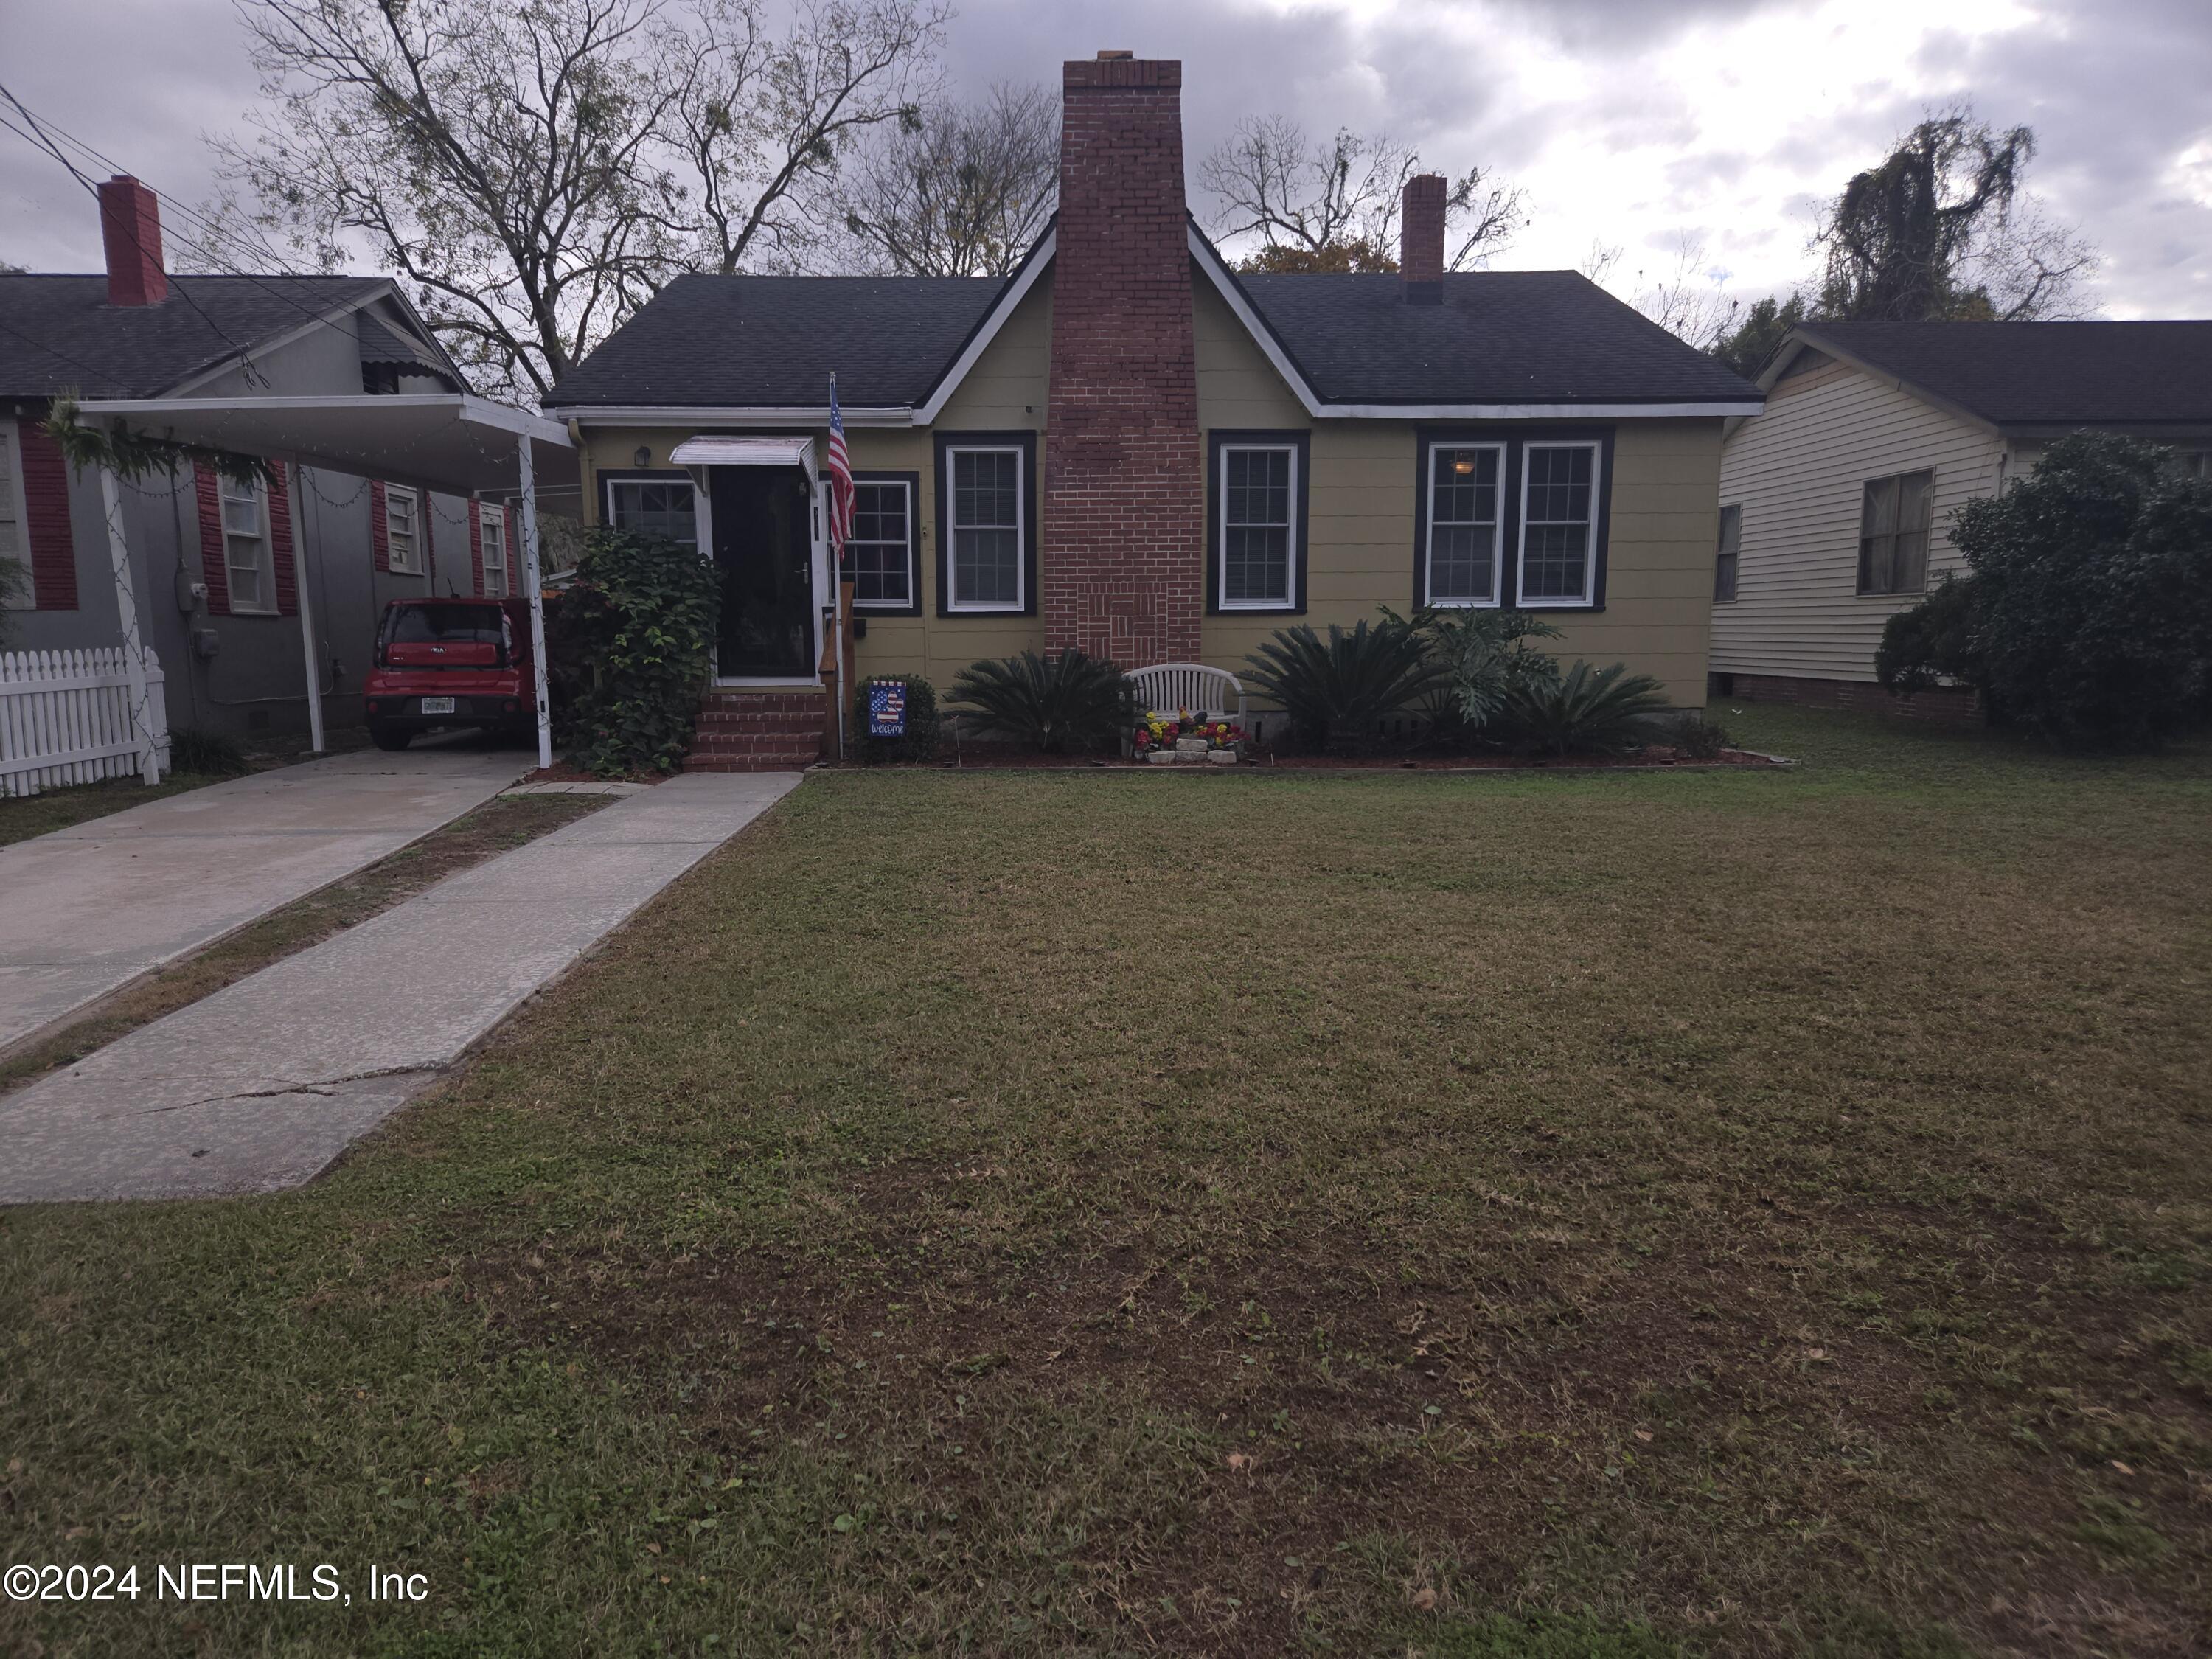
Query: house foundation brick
x=1122, y=563
x=1942, y=707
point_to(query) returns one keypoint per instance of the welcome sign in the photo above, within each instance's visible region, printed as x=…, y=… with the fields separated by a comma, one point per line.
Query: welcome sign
x=886, y=709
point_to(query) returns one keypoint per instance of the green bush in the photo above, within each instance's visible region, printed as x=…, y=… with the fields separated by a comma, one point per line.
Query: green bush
x=1482, y=659
x=1587, y=711
x=205, y=754
x=640, y=618
x=1334, y=691
x=1932, y=643
x=1696, y=737
x=1068, y=704
x=2091, y=593
x=15, y=590
x=919, y=742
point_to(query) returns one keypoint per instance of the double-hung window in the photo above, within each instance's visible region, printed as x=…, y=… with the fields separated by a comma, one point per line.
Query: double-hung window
x=655, y=506
x=1728, y=557
x=1466, y=525
x=403, y=530
x=880, y=553
x=245, y=546
x=14, y=536
x=1559, y=523
x=986, y=527
x=492, y=536
x=1893, y=519
x=1258, y=491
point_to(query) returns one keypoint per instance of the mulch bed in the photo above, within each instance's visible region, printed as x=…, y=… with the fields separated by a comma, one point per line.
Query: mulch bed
x=562, y=772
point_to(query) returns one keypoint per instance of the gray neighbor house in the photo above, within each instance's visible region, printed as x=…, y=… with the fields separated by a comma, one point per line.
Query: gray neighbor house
x=212, y=566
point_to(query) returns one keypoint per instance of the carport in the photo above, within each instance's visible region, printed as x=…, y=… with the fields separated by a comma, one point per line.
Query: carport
x=449, y=443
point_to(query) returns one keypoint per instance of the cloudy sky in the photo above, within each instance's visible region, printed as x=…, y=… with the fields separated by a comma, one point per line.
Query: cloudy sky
x=1718, y=122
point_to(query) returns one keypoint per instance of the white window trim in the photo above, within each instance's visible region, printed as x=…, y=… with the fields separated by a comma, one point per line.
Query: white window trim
x=702, y=518
x=1497, y=532
x=1221, y=599
x=491, y=525
x=415, y=564
x=264, y=550
x=953, y=602
x=25, y=597
x=1589, y=599
x=912, y=549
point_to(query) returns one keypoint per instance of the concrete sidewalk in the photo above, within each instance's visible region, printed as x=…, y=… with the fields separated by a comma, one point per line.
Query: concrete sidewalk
x=89, y=908
x=260, y=1086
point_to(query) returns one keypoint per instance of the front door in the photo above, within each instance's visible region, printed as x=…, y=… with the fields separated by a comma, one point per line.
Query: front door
x=764, y=550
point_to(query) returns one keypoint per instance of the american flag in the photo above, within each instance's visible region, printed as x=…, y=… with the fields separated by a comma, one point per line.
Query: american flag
x=841, y=482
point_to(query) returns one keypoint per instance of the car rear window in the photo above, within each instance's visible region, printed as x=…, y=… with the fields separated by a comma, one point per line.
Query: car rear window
x=445, y=625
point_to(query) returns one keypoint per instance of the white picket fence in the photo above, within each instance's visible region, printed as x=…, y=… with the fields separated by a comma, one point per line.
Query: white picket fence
x=66, y=718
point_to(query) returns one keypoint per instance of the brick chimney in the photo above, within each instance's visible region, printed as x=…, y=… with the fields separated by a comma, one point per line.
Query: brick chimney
x=1421, y=240
x=130, y=225
x=1123, y=564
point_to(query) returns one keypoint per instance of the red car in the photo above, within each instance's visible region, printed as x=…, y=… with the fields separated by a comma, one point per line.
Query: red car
x=451, y=664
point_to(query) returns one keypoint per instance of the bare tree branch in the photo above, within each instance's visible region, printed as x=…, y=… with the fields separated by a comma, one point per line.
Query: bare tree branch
x=962, y=191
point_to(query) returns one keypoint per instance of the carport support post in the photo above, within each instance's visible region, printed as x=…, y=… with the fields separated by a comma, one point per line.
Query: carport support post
x=308, y=652
x=126, y=605
x=536, y=601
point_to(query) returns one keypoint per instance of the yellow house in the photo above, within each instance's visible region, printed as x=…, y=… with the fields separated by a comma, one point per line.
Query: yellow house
x=1126, y=447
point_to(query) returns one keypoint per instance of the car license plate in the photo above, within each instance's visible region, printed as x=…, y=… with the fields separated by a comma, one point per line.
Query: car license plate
x=437, y=705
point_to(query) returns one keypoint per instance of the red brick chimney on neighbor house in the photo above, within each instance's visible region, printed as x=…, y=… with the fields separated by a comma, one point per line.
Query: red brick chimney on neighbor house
x=1123, y=549
x=130, y=227
x=1421, y=239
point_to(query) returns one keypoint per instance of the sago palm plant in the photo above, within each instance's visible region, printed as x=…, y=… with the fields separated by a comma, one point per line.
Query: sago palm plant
x=1587, y=710
x=1333, y=690
x=1070, y=702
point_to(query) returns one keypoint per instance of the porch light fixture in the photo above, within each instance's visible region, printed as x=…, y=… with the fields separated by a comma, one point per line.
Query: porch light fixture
x=644, y=456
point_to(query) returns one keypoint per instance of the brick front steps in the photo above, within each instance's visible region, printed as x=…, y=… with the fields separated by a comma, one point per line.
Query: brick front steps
x=757, y=731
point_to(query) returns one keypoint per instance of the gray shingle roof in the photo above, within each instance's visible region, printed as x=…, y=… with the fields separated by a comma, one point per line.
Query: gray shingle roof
x=2044, y=374
x=1500, y=337
x=59, y=333
x=383, y=345
x=773, y=341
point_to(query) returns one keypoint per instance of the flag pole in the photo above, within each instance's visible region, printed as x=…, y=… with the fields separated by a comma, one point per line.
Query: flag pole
x=837, y=578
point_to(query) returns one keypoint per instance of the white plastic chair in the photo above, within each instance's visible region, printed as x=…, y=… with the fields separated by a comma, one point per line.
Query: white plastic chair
x=1168, y=686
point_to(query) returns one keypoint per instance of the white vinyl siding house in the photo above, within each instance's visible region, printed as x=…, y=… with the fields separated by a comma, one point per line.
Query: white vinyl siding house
x=1799, y=474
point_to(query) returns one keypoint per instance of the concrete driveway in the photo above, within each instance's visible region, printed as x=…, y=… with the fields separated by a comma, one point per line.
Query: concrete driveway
x=89, y=908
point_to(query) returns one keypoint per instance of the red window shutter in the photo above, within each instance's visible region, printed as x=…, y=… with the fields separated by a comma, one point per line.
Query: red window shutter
x=45, y=497
x=213, y=570
x=379, y=532
x=280, y=542
x=475, y=549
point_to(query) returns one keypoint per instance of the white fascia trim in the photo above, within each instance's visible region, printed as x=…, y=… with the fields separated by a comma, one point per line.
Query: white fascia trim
x=1225, y=285
x=1017, y=291
x=1532, y=411
x=726, y=415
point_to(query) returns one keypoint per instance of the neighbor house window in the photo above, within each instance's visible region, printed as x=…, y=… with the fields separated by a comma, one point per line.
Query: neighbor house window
x=1893, y=517
x=880, y=553
x=984, y=492
x=655, y=506
x=1465, y=531
x=245, y=546
x=492, y=537
x=1258, y=488
x=1730, y=555
x=1558, y=524
x=402, y=510
x=14, y=537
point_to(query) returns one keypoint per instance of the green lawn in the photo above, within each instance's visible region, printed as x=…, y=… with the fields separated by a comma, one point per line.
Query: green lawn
x=1592, y=1214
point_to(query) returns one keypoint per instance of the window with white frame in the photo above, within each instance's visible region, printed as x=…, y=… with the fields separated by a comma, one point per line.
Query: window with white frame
x=1466, y=523
x=15, y=523
x=655, y=507
x=880, y=552
x=984, y=494
x=1558, y=524
x=1258, y=496
x=1894, y=514
x=492, y=538
x=1728, y=556
x=403, y=530
x=245, y=546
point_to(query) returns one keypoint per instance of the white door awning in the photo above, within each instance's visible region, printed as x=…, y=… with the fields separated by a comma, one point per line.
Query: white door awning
x=746, y=452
